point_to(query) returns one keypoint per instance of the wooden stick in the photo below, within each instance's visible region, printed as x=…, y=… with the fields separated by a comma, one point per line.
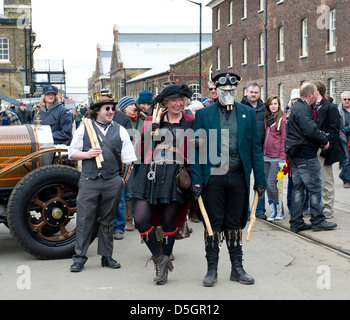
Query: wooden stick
x=205, y=216
x=157, y=115
x=93, y=140
x=252, y=216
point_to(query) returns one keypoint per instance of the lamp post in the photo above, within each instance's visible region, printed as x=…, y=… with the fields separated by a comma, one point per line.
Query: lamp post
x=200, y=44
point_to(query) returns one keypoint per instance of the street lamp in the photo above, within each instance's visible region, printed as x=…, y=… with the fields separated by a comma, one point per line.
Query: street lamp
x=200, y=43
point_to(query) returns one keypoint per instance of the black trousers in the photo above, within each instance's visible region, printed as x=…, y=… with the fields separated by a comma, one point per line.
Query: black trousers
x=225, y=201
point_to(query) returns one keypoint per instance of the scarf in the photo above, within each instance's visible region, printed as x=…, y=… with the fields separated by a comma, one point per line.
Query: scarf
x=133, y=117
x=270, y=120
x=103, y=124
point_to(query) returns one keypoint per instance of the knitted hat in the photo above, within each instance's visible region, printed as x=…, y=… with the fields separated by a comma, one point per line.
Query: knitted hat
x=145, y=96
x=125, y=102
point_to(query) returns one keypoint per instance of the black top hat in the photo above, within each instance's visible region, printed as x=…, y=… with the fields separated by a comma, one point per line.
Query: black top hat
x=228, y=78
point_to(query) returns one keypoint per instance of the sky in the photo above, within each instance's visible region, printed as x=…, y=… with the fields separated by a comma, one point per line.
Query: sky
x=70, y=30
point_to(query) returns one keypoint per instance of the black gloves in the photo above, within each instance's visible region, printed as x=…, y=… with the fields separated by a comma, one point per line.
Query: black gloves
x=196, y=191
x=260, y=189
x=155, y=126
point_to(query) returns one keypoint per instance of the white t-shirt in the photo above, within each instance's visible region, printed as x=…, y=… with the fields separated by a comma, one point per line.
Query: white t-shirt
x=127, y=153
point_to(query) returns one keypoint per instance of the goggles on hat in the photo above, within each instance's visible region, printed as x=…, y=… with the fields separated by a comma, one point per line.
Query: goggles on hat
x=223, y=80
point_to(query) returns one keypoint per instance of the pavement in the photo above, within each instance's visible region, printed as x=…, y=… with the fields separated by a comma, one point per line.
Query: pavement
x=339, y=238
x=285, y=266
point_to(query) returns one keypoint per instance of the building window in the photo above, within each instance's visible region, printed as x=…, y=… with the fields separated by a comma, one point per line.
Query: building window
x=244, y=57
x=244, y=10
x=281, y=94
x=332, y=89
x=195, y=92
x=281, y=44
x=304, y=36
x=218, y=19
x=218, y=60
x=4, y=49
x=230, y=16
x=261, y=49
x=332, y=28
x=230, y=54
x=261, y=5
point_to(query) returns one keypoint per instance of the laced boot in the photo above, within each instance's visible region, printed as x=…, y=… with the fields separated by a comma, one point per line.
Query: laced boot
x=212, y=255
x=162, y=264
x=237, y=272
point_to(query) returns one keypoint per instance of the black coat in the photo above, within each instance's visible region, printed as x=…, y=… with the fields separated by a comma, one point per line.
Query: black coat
x=24, y=116
x=302, y=130
x=329, y=122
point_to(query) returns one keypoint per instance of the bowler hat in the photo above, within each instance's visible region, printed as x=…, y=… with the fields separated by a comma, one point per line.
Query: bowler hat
x=102, y=103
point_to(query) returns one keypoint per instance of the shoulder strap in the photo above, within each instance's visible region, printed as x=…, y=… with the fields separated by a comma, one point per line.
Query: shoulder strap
x=108, y=143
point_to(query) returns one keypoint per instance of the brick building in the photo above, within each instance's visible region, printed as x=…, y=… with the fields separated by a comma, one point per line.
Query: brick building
x=143, y=52
x=16, y=49
x=306, y=41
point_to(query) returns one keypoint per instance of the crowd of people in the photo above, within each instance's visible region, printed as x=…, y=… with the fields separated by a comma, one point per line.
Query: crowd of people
x=302, y=140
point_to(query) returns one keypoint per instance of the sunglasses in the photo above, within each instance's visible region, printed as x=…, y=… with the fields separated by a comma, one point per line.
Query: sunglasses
x=345, y=99
x=212, y=89
x=109, y=108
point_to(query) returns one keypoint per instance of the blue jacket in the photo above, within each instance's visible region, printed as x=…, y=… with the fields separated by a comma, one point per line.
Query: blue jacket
x=249, y=147
x=60, y=121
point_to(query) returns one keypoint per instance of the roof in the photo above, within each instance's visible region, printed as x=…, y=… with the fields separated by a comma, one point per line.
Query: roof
x=149, y=47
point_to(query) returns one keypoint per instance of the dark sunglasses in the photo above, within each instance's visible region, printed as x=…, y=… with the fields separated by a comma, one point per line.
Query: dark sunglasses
x=212, y=89
x=346, y=99
x=109, y=108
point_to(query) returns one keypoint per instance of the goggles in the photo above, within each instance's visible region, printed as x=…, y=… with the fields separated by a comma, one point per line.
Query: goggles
x=223, y=80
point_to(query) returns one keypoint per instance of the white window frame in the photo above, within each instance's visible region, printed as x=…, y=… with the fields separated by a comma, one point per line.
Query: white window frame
x=245, y=10
x=230, y=17
x=245, y=52
x=230, y=51
x=261, y=6
x=4, y=51
x=332, y=30
x=281, y=94
x=281, y=43
x=304, y=38
x=218, y=59
x=332, y=85
x=261, y=49
x=218, y=17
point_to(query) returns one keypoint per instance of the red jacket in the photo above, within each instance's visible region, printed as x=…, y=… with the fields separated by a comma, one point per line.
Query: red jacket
x=274, y=140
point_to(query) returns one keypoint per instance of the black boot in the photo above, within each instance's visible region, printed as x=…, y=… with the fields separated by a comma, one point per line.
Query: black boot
x=212, y=256
x=234, y=245
x=237, y=272
x=162, y=264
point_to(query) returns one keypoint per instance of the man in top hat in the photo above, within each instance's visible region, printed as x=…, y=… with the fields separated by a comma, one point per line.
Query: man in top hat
x=54, y=114
x=225, y=183
x=99, y=189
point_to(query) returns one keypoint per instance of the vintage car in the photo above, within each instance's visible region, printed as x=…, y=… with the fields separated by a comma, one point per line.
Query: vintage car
x=38, y=190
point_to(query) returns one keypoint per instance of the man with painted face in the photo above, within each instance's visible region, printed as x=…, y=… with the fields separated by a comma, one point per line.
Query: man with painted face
x=225, y=185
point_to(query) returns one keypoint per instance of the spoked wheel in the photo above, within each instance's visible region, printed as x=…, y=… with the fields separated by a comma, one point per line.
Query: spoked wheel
x=41, y=212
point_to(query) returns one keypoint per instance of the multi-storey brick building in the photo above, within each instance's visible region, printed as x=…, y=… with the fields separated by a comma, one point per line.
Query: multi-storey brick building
x=16, y=49
x=306, y=41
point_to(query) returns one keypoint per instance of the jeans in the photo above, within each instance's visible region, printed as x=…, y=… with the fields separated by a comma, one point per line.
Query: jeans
x=345, y=172
x=306, y=174
x=120, y=215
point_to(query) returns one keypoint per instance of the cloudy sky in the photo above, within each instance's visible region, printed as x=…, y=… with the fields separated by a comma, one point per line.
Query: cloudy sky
x=71, y=29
